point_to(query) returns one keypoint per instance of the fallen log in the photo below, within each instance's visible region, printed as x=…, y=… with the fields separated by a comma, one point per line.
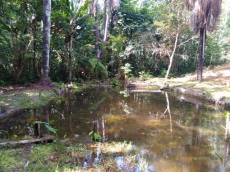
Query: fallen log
x=44, y=139
x=191, y=92
x=11, y=112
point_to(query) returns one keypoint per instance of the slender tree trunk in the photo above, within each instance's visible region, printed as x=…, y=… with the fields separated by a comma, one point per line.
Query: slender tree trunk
x=171, y=58
x=96, y=31
x=201, y=55
x=104, y=17
x=46, y=38
x=108, y=14
x=70, y=68
x=34, y=54
x=70, y=46
x=70, y=57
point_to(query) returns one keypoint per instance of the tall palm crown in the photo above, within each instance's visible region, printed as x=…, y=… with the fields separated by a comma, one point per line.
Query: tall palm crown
x=205, y=13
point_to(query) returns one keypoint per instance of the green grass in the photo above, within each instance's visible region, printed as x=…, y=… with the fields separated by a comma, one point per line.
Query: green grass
x=68, y=156
x=10, y=159
x=26, y=99
x=30, y=98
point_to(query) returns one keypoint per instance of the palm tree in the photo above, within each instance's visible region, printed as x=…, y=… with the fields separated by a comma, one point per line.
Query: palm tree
x=46, y=39
x=204, y=17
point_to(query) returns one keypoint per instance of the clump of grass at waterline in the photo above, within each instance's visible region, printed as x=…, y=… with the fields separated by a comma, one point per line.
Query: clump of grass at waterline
x=68, y=157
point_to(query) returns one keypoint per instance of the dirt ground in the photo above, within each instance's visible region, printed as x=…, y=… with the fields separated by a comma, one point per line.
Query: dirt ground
x=36, y=86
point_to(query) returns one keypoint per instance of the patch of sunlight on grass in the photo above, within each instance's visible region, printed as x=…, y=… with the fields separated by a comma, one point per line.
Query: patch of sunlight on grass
x=31, y=93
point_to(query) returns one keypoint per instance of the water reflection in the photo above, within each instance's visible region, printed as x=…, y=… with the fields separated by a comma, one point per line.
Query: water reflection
x=171, y=134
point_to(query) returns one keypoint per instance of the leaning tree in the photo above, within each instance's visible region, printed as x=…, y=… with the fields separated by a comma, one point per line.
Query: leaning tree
x=204, y=17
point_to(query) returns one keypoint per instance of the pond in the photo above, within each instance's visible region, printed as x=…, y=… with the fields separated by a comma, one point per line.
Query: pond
x=170, y=133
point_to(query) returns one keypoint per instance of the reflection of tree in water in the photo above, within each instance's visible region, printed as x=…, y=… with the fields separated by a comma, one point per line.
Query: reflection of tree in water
x=195, y=131
x=226, y=160
x=168, y=109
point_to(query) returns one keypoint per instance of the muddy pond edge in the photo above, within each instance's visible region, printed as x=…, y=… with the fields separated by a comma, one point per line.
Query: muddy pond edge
x=222, y=102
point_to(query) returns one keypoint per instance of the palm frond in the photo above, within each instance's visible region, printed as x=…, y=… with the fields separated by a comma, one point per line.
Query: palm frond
x=205, y=13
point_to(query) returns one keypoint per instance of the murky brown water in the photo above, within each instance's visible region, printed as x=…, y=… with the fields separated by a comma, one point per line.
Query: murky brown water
x=172, y=135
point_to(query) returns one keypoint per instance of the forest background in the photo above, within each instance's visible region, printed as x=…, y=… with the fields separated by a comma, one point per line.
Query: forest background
x=93, y=40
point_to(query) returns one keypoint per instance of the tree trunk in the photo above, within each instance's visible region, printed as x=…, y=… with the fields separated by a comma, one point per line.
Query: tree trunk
x=70, y=56
x=96, y=31
x=171, y=57
x=104, y=17
x=46, y=37
x=34, y=55
x=107, y=14
x=70, y=45
x=201, y=55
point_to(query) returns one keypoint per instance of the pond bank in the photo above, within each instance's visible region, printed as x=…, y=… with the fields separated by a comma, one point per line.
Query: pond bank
x=218, y=96
x=19, y=99
x=147, y=130
x=215, y=94
x=215, y=87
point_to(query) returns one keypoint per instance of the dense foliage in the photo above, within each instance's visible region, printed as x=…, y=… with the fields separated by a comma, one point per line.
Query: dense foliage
x=141, y=33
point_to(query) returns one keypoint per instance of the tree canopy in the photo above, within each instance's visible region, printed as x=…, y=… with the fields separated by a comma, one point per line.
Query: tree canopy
x=92, y=40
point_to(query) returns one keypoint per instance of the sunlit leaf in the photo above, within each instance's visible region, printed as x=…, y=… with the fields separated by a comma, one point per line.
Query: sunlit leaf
x=51, y=128
x=91, y=133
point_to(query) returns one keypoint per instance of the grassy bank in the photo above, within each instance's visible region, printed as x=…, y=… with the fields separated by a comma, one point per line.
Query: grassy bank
x=32, y=98
x=69, y=156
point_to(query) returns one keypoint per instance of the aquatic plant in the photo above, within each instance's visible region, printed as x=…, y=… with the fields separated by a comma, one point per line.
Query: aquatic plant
x=95, y=135
x=47, y=125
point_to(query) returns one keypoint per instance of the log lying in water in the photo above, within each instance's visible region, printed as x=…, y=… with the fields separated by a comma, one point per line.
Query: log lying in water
x=44, y=139
x=11, y=113
x=199, y=94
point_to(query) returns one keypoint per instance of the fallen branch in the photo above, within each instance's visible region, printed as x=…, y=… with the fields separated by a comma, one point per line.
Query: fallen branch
x=44, y=139
x=11, y=112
